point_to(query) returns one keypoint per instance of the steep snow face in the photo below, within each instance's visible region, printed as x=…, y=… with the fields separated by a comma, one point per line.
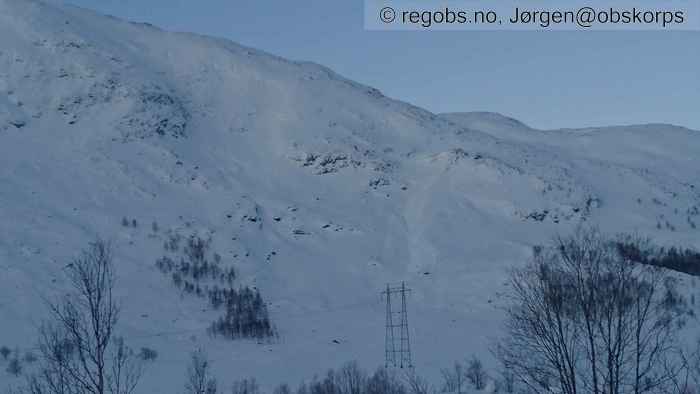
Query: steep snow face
x=317, y=189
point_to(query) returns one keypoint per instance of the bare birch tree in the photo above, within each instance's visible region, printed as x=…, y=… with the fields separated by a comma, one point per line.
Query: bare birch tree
x=199, y=376
x=586, y=318
x=81, y=353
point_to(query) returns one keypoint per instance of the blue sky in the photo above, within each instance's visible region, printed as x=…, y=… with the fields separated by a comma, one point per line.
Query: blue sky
x=546, y=79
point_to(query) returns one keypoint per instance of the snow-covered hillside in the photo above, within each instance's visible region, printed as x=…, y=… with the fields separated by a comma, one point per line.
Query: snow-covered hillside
x=319, y=190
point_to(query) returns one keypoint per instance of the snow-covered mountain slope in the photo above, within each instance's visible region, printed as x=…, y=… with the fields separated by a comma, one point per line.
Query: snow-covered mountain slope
x=319, y=190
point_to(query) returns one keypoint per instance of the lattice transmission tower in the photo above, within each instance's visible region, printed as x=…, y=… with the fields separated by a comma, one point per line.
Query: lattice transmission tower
x=397, y=356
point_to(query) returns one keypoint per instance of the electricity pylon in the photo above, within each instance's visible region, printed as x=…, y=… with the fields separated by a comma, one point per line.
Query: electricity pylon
x=394, y=357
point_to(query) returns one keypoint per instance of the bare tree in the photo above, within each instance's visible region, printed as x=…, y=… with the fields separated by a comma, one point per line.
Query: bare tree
x=506, y=382
x=476, y=374
x=80, y=352
x=199, y=376
x=351, y=379
x=454, y=379
x=417, y=384
x=384, y=381
x=586, y=318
